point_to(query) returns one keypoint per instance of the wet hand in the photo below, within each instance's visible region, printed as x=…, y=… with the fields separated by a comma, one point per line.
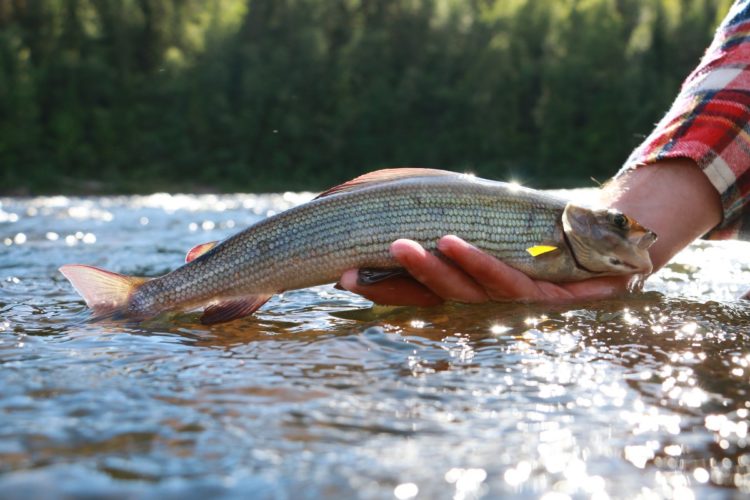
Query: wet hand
x=469, y=275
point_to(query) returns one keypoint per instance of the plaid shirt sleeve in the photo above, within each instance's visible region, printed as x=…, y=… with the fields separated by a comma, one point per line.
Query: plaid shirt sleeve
x=708, y=123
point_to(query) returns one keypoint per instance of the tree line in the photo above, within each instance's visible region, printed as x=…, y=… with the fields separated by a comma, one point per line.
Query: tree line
x=259, y=95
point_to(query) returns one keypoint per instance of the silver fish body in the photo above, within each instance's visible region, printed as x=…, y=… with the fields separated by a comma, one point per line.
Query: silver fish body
x=316, y=242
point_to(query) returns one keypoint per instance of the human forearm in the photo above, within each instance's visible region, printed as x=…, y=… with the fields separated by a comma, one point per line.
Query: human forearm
x=671, y=197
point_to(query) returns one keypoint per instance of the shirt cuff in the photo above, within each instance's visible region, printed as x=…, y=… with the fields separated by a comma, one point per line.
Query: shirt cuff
x=709, y=124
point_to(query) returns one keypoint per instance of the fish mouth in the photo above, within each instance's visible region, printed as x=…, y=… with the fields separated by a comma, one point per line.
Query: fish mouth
x=645, y=268
x=643, y=244
x=631, y=266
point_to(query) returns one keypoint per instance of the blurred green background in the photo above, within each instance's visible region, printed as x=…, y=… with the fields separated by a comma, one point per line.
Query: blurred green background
x=265, y=95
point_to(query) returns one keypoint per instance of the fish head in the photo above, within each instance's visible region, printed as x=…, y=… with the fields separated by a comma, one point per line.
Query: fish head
x=606, y=241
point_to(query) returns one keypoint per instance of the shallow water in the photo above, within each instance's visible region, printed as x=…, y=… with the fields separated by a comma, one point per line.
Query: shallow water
x=321, y=394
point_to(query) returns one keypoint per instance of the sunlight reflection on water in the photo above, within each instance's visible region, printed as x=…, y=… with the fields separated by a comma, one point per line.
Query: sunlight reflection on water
x=321, y=394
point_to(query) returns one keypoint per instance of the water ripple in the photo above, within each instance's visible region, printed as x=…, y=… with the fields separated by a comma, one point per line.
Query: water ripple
x=323, y=394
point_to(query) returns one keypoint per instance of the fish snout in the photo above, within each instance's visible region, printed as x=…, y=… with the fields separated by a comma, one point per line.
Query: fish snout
x=647, y=240
x=644, y=268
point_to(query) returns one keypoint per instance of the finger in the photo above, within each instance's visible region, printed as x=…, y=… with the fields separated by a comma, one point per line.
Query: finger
x=444, y=279
x=500, y=281
x=393, y=291
x=598, y=288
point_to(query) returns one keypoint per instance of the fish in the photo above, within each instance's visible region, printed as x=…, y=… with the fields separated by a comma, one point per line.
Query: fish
x=352, y=226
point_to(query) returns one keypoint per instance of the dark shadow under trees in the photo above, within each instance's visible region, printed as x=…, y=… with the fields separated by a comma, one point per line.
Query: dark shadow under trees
x=258, y=95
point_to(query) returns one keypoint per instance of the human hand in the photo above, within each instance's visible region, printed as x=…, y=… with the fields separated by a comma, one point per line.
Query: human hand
x=469, y=276
x=671, y=197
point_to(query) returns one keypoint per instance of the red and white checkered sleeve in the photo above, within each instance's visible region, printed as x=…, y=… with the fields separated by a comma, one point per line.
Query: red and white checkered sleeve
x=709, y=123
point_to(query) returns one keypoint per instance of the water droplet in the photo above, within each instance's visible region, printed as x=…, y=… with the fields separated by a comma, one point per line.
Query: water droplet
x=673, y=450
x=499, y=329
x=518, y=474
x=638, y=455
x=689, y=328
x=701, y=475
x=20, y=239
x=8, y=217
x=405, y=491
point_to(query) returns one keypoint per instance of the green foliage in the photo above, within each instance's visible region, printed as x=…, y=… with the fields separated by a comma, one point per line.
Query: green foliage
x=253, y=95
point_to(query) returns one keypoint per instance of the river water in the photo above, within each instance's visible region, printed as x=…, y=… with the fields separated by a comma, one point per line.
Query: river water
x=320, y=394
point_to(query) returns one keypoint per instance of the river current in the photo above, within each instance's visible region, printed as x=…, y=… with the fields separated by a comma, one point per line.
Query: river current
x=322, y=394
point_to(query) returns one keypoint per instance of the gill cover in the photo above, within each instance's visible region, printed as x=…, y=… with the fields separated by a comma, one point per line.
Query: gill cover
x=606, y=241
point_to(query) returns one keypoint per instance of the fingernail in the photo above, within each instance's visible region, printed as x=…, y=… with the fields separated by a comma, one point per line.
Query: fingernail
x=400, y=254
x=454, y=242
x=444, y=244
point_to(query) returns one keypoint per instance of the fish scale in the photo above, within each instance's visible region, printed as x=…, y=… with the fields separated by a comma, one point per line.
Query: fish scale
x=315, y=243
x=353, y=225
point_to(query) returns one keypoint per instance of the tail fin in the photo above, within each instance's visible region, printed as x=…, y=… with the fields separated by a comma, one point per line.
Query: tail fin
x=105, y=292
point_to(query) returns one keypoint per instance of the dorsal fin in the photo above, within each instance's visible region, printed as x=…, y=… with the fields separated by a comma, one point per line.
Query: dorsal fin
x=384, y=175
x=199, y=250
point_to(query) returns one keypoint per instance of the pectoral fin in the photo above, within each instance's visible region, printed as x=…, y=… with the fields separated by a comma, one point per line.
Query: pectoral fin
x=370, y=275
x=538, y=250
x=233, y=309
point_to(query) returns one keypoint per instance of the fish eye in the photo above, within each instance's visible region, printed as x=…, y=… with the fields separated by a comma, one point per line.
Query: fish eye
x=620, y=220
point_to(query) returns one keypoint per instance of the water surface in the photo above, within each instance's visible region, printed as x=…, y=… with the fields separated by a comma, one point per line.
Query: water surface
x=322, y=395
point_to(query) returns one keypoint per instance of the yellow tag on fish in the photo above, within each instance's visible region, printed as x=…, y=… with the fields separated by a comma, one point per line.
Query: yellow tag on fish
x=538, y=250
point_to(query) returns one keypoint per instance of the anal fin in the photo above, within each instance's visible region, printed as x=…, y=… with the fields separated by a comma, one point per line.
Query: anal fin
x=229, y=310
